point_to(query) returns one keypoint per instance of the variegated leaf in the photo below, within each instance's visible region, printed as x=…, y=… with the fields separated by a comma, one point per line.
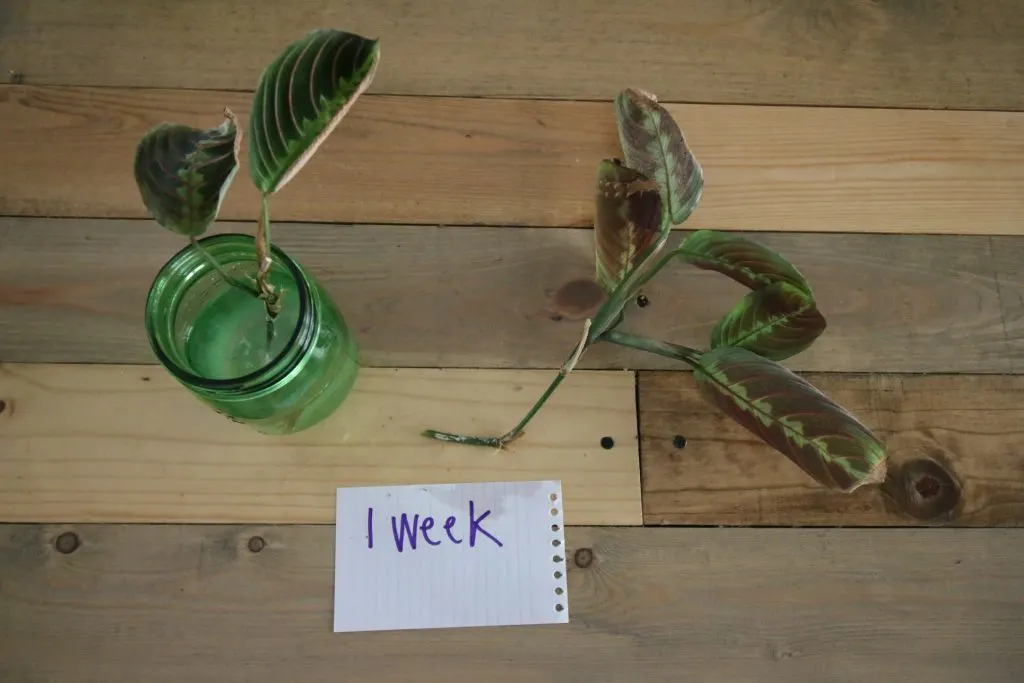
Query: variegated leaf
x=748, y=262
x=776, y=321
x=792, y=416
x=627, y=220
x=183, y=173
x=301, y=97
x=653, y=145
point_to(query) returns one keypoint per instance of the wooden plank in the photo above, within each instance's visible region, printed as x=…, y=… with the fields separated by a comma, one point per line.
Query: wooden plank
x=519, y=162
x=74, y=291
x=172, y=603
x=953, y=443
x=941, y=54
x=127, y=444
x=1010, y=280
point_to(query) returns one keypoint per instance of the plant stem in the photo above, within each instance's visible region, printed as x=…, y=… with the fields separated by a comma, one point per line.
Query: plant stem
x=661, y=348
x=231, y=279
x=263, y=262
x=517, y=431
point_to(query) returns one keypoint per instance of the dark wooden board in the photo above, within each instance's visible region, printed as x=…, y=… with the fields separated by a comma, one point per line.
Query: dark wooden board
x=74, y=291
x=68, y=152
x=942, y=54
x=954, y=445
x=192, y=603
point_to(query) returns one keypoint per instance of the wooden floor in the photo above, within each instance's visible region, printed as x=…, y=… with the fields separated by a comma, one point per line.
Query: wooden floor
x=877, y=144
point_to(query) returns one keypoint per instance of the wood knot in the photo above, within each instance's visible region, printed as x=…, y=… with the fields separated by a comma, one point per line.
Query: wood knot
x=924, y=489
x=577, y=299
x=583, y=557
x=67, y=543
x=256, y=544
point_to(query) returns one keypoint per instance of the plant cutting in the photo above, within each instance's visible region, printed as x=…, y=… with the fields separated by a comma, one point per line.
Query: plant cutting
x=640, y=198
x=234, y=318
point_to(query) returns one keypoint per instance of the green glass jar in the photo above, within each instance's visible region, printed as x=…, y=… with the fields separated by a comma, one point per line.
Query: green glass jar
x=212, y=335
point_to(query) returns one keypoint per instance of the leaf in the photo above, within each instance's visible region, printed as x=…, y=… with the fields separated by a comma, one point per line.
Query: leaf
x=792, y=416
x=653, y=145
x=745, y=261
x=627, y=220
x=776, y=321
x=301, y=97
x=183, y=173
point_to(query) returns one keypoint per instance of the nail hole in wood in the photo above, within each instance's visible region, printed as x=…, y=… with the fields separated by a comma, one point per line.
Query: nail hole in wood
x=256, y=544
x=679, y=441
x=642, y=301
x=583, y=557
x=607, y=442
x=67, y=542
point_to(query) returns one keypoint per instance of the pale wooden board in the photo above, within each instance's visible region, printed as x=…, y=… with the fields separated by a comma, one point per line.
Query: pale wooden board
x=171, y=603
x=127, y=444
x=68, y=152
x=968, y=429
x=479, y=297
x=939, y=54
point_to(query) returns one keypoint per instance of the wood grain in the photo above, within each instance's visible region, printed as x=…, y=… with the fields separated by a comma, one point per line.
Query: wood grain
x=127, y=444
x=171, y=603
x=74, y=291
x=941, y=54
x=953, y=443
x=68, y=152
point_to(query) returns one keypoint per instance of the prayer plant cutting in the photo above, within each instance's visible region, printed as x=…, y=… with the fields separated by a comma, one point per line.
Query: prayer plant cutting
x=639, y=199
x=233, y=317
x=183, y=173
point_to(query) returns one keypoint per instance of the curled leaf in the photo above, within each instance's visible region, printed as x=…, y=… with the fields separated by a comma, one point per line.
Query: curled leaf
x=776, y=321
x=301, y=97
x=743, y=260
x=627, y=220
x=792, y=416
x=183, y=173
x=577, y=299
x=653, y=145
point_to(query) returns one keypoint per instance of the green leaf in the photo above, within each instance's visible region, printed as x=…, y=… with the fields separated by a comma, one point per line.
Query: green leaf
x=301, y=97
x=792, y=416
x=776, y=321
x=627, y=220
x=743, y=260
x=653, y=145
x=183, y=173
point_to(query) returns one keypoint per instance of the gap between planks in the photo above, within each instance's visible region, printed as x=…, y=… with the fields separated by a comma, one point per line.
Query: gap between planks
x=531, y=162
x=128, y=444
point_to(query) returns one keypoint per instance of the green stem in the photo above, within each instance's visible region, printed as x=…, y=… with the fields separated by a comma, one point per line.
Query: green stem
x=231, y=279
x=263, y=262
x=517, y=431
x=661, y=348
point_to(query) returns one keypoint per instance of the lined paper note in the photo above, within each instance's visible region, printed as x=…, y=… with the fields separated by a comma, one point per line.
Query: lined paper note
x=449, y=555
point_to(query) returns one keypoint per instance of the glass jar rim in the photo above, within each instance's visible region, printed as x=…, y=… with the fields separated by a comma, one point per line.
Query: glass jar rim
x=254, y=380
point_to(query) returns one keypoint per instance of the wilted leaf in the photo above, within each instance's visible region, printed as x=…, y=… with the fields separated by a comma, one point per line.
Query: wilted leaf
x=183, y=173
x=745, y=261
x=577, y=299
x=301, y=97
x=793, y=416
x=653, y=145
x=627, y=220
x=777, y=321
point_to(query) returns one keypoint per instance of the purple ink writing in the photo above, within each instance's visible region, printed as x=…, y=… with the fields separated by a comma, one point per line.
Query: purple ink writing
x=448, y=524
x=474, y=527
x=407, y=531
